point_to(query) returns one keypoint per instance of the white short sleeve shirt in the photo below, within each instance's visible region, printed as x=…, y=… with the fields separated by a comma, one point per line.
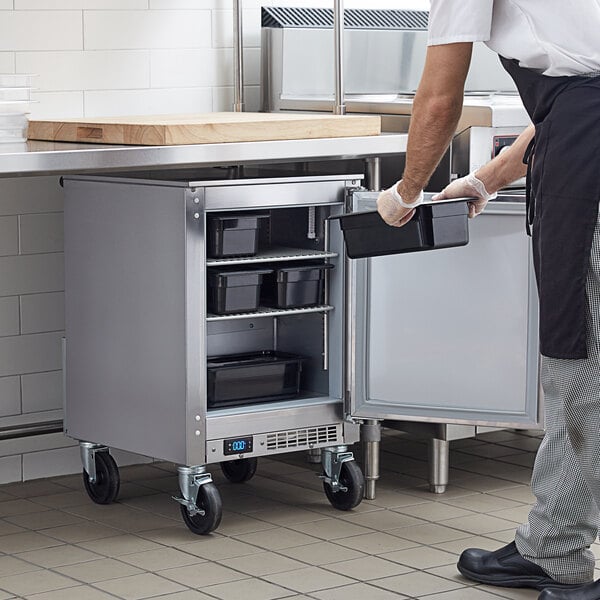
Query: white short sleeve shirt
x=554, y=37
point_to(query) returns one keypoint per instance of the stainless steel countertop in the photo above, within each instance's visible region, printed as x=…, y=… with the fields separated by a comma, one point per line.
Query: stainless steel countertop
x=50, y=158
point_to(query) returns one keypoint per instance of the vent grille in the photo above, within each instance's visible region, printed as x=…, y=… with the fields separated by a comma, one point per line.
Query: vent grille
x=354, y=18
x=303, y=438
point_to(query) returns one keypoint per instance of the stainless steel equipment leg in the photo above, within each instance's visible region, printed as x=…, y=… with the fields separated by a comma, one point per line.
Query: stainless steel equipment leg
x=439, y=465
x=88, y=458
x=238, y=58
x=338, y=35
x=314, y=456
x=190, y=480
x=370, y=434
x=373, y=173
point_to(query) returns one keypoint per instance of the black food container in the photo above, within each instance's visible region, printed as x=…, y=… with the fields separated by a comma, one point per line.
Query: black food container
x=250, y=378
x=434, y=226
x=231, y=291
x=233, y=234
x=295, y=286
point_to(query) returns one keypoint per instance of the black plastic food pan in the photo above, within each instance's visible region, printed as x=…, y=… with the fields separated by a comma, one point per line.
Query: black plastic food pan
x=295, y=286
x=250, y=378
x=233, y=234
x=234, y=291
x=434, y=226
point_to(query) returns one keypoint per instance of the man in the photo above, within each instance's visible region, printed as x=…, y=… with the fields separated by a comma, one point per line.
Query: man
x=550, y=48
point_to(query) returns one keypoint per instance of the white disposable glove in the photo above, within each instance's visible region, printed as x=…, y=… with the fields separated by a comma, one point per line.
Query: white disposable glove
x=392, y=208
x=468, y=186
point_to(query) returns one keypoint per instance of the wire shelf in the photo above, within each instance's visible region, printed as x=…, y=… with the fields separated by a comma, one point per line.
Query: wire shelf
x=272, y=255
x=270, y=312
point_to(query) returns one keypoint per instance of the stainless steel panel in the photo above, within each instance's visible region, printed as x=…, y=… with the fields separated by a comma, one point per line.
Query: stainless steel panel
x=276, y=416
x=288, y=440
x=195, y=326
x=376, y=61
x=474, y=147
x=271, y=195
x=126, y=317
x=449, y=336
x=48, y=158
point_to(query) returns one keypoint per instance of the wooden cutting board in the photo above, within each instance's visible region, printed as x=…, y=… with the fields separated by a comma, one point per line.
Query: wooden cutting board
x=208, y=128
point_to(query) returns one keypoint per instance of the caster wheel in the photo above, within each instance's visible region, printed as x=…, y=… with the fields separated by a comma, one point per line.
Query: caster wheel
x=209, y=502
x=106, y=487
x=241, y=470
x=351, y=478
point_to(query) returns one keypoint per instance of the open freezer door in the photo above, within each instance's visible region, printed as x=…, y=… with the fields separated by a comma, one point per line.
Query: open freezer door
x=447, y=336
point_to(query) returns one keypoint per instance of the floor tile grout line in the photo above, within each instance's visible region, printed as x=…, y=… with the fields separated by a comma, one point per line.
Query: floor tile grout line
x=247, y=575
x=287, y=526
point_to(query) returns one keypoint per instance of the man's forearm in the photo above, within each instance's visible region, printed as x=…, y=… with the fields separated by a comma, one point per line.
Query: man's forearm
x=433, y=124
x=507, y=166
x=436, y=110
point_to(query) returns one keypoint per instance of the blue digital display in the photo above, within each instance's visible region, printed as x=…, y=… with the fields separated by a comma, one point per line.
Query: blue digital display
x=237, y=446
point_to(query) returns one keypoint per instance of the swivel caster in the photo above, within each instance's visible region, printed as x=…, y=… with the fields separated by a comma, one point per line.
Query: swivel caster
x=343, y=481
x=206, y=516
x=201, y=504
x=240, y=470
x=100, y=473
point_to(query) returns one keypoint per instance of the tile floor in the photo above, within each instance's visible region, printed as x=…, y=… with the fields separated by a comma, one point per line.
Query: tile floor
x=279, y=537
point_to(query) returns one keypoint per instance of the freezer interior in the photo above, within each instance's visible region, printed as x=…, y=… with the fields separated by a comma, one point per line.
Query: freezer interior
x=313, y=333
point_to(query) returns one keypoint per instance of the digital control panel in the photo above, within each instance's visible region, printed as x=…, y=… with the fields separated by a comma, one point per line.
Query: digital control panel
x=501, y=142
x=237, y=446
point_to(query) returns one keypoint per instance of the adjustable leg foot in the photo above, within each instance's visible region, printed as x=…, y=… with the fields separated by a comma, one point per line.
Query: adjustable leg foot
x=439, y=465
x=370, y=433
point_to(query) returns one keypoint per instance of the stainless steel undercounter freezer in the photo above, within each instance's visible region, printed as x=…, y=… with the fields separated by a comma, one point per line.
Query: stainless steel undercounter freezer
x=148, y=368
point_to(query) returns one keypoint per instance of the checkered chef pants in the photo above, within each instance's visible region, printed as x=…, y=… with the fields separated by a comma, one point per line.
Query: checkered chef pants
x=566, y=475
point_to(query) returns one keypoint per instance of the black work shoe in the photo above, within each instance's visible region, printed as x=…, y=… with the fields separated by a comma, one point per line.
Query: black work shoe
x=587, y=591
x=505, y=568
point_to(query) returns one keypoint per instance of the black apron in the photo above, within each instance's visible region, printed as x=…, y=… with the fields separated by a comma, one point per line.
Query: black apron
x=563, y=190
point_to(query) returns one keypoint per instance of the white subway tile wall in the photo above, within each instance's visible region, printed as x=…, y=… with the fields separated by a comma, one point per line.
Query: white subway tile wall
x=9, y=238
x=9, y=318
x=41, y=391
x=41, y=233
x=43, y=312
x=31, y=274
x=94, y=58
x=58, y=105
x=31, y=325
x=87, y=70
x=11, y=469
x=41, y=30
x=10, y=392
x=7, y=62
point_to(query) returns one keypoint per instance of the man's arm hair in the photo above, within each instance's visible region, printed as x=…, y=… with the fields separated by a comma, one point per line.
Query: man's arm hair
x=437, y=108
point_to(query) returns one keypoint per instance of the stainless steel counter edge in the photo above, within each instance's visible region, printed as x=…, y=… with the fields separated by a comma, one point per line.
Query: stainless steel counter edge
x=50, y=158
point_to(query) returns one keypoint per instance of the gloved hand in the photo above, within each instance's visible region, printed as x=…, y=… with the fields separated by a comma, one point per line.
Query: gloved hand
x=393, y=210
x=468, y=186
